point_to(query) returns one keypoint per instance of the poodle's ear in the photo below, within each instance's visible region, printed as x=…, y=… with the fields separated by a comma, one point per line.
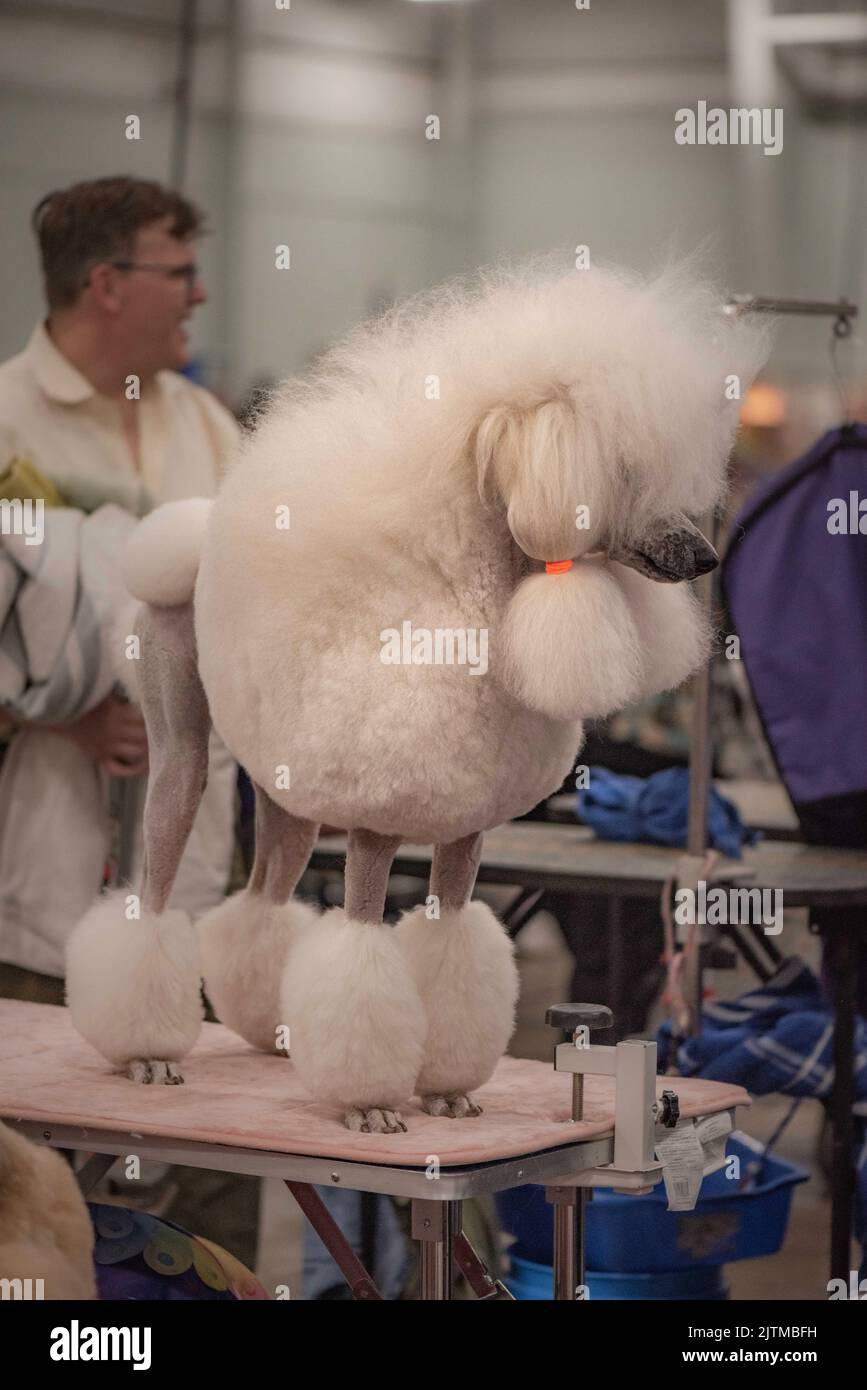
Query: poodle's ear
x=544, y=464
x=567, y=645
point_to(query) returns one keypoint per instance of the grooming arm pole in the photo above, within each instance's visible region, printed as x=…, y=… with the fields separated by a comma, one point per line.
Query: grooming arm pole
x=700, y=761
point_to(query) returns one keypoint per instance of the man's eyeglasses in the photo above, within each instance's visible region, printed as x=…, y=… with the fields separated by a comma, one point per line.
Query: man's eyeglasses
x=188, y=272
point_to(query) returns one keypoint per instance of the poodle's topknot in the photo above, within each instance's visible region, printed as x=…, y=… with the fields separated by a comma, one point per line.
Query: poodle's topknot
x=649, y=369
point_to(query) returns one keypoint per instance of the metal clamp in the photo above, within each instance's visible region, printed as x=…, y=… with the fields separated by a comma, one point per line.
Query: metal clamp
x=670, y=1113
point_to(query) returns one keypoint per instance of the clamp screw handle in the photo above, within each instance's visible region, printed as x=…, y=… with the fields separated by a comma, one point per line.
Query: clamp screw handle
x=670, y=1110
x=572, y=1016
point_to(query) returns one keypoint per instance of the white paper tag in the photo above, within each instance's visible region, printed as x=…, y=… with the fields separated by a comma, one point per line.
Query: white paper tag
x=713, y=1131
x=682, y=1159
x=714, y=1126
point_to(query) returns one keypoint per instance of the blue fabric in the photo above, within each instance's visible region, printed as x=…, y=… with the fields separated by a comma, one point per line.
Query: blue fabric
x=797, y=593
x=656, y=808
x=778, y=1037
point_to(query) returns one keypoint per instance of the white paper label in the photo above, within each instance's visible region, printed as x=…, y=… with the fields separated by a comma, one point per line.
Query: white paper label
x=682, y=1159
x=714, y=1126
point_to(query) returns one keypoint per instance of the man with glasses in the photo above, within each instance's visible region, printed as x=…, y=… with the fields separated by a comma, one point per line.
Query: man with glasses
x=97, y=388
x=95, y=410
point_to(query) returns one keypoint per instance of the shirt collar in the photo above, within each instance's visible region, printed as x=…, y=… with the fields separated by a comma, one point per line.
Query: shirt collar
x=63, y=382
x=56, y=375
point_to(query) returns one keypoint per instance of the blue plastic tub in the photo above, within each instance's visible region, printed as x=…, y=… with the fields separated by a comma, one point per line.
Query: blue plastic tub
x=627, y=1234
x=532, y=1281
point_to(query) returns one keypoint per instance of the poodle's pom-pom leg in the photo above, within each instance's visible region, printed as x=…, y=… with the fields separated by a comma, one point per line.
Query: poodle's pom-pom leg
x=245, y=942
x=133, y=986
x=133, y=978
x=356, y=1021
x=673, y=630
x=465, y=969
x=570, y=646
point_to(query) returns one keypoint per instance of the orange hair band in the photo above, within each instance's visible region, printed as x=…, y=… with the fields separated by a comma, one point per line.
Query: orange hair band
x=557, y=566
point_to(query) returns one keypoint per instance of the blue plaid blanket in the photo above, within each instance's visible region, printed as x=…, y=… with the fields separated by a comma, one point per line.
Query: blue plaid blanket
x=778, y=1037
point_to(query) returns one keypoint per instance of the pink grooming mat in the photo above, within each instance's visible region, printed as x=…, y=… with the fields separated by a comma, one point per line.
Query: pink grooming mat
x=241, y=1098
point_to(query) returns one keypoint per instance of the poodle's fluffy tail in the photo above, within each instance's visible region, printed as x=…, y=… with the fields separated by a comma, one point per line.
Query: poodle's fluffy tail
x=162, y=561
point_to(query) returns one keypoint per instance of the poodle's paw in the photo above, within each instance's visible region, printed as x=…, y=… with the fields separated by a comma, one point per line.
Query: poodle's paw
x=155, y=1073
x=375, y=1121
x=455, y=1107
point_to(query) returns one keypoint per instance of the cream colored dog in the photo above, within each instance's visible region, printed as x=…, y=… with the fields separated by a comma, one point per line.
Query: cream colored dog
x=46, y=1236
x=379, y=615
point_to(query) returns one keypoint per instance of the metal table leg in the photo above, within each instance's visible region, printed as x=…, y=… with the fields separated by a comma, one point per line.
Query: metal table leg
x=844, y=982
x=92, y=1170
x=528, y=902
x=354, y=1272
x=435, y=1225
x=570, y=1210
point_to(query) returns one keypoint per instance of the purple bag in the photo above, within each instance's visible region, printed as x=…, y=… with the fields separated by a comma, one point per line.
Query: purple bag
x=795, y=582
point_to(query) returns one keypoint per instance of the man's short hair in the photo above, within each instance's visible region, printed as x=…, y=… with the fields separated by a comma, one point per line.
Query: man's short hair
x=81, y=226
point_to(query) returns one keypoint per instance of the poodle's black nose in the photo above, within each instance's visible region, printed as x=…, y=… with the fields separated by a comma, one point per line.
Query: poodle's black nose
x=669, y=552
x=703, y=558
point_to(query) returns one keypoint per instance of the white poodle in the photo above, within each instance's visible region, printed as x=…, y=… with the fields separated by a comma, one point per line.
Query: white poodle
x=430, y=562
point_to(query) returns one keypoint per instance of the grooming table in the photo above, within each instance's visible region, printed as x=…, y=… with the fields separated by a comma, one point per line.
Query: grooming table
x=539, y=856
x=243, y=1112
x=569, y=858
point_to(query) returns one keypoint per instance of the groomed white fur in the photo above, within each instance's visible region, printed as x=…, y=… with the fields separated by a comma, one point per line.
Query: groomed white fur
x=162, y=558
x=673, y=631
x=133, y=986
x=244, y=944
x=466, y=974
x=592, y=389
x=571, y=647
x=558, y=389
x=357, y=1024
